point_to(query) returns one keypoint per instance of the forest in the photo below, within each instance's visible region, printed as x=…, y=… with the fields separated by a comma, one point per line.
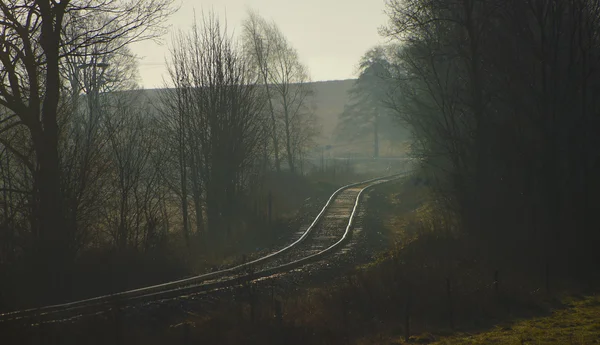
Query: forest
x=100, y=180
x=500, y=96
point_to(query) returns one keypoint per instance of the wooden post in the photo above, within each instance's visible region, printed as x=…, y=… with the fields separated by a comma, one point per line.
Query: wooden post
x=42, y=336
x=216, y=327
x=252, y=296
x=240, y=309
x=496, y=282
x=407, y=313
x=547, y=275
x=450, y=309
x=118, y=323
x=278, y=312
x=322, y=159
x=345, y=321
x=270, y=207
x=186, y=333
x=279, y=332
x=272, y=293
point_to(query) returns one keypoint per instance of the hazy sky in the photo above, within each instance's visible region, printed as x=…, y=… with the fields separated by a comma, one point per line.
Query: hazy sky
x=330, y=35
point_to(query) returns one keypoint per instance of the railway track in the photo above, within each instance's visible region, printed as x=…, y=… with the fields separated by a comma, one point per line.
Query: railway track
x=327, y=232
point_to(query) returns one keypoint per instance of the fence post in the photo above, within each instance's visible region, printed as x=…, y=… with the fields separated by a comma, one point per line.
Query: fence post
x=42, y=336
x=279, y=332
x=450, y=308
x=407, y=313
x=252, y=292
x=496, y=282
x=547, y=275
x=270, y=207
x=118, y=323
x=216, y=327
x=278, y=312
x=186, y=333
x=272, y=294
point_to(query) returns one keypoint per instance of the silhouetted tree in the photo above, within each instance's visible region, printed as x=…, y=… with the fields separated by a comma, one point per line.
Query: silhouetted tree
x=135, y=193
x=369, y=113
x=286, y=83
x=219, y=110
x=498, y=96
x=33, y=45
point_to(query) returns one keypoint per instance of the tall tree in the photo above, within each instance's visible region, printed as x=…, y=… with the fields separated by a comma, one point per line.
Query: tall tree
x=497, y=94
x=90, y=76
x=177, y=133
x=31, y=53
x=287, y=85
x=135, y=193
x=369, y=112
x=218, y=107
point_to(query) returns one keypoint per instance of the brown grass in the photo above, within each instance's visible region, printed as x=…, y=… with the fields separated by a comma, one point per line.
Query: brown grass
x=448, y=282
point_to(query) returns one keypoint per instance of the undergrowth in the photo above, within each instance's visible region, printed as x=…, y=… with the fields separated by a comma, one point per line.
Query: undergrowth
x=427, y=285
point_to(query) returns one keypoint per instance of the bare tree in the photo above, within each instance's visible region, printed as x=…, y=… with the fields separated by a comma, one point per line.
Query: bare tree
x=497, y=94
x=135, y=190
x=368, y=113
x=259, y=49
x=287, y=84
x=32, y=41
x=84, y=143
x=15, y=197
x=217, y=122
x=294, y=96
x=174, y=116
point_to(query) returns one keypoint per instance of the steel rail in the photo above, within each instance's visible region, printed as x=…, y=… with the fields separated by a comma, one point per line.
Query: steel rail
x=183, y=286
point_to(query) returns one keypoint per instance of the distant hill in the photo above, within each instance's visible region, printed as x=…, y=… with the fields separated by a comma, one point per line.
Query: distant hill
x=330, y=98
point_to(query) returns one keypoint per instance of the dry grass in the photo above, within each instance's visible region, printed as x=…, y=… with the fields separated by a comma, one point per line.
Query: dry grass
x=576, y=324
x=368, y=305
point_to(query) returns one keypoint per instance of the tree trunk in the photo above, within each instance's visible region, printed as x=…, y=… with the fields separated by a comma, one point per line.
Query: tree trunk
x=274, y=130
x=197, y=188
x=376, y=137
x=122, y=229
x=184, y=208
x=288, y=143
x=54, y=246
x=264, y=72
x=198, y=210
x=183, y=167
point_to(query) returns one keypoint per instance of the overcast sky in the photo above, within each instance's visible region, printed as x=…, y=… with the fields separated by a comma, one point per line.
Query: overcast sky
x=330, y=35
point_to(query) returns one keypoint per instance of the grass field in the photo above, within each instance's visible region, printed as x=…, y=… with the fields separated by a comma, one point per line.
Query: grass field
x=578, y=323
x=420, y=284
x=539, y=318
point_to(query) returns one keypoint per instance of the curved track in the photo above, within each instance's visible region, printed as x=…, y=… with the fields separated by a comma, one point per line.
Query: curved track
x=329, y=230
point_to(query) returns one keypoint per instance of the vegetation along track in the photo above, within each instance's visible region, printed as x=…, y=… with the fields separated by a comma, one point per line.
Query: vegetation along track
x=328, y=231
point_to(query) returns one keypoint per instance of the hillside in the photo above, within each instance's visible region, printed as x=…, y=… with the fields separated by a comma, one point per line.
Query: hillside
x=330, y=98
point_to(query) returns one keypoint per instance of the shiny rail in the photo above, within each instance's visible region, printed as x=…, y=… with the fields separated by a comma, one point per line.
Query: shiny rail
x=194, y=284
